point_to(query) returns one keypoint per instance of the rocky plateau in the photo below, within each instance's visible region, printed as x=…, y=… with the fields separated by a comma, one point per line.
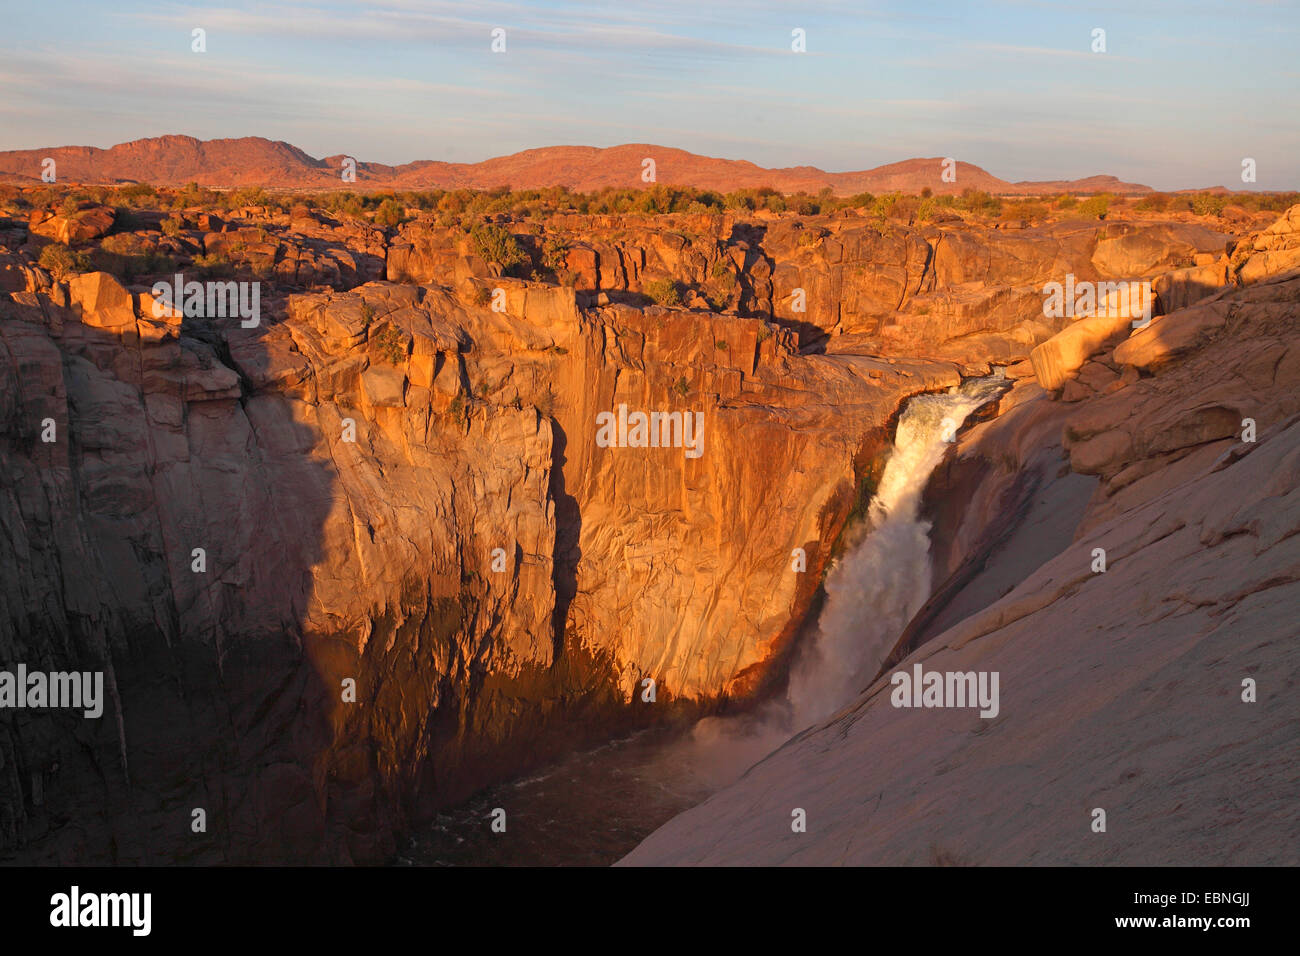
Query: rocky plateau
x=394, y=480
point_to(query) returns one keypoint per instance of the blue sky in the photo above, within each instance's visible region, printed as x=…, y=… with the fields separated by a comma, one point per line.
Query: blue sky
x=1183, y=92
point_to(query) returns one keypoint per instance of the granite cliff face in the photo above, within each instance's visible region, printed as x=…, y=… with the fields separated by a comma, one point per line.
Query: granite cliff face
x=1157, y=686
x=376, y=559
x=395, y=480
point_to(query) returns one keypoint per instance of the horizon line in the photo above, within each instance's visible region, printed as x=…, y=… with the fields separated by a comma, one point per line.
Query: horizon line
x=809, y=167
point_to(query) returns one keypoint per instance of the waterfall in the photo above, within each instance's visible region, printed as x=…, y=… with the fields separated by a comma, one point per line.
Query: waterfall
x=872, y=591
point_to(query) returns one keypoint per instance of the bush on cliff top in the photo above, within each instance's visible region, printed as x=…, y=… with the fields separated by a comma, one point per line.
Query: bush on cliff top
x=463, y=207
x=61, y=262
x=389, y=213
x=494, y=243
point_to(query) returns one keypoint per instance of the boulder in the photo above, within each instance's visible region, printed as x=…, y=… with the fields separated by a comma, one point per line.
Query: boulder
x=1065, y=352
x=85, y=225
x=101, y=301
x=1170, y=335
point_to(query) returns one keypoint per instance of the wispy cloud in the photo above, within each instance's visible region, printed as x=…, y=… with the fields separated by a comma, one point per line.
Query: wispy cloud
x=1010, y=85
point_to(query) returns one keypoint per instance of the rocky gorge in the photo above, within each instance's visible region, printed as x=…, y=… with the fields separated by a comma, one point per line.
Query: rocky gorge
x=348, y=565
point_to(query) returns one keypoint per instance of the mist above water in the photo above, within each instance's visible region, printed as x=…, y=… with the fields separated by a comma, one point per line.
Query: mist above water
x=872, y=592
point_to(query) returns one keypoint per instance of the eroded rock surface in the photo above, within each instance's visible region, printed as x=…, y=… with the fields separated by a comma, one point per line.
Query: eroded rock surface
x=349, y=469
x=1120, y=690
x=394, y=479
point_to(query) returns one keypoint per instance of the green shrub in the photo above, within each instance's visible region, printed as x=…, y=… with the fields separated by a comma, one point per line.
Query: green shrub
x=389, y=213
x=127, y=256
x=721, y=285
x=979, y=202
x=725, y=280
x=60, y=261
x=1095, y=207
x=136, y=194
x=663, y=291
x=195, y=195
x=1268, y=202
x=1153, y=202
x=493, y=243
x=740, y=201
x=154, y=263
x=390, y=345
x=249, y=196
x=213, y=266
x=1025, y=209
x=802, y=204
x=123, y=244
x=1208, y=204
x=458, y=411
x=555, y=255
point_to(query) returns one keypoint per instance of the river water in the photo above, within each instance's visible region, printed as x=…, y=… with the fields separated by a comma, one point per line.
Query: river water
x=591, y=808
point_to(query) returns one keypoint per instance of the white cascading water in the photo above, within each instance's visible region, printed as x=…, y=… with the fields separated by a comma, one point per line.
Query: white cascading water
x=872, y=592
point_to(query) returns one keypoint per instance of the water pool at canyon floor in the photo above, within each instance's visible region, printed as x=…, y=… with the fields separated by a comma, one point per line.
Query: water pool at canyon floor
x=587, y=809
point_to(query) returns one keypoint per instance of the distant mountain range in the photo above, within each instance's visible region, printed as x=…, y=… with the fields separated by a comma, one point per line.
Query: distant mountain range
x=252, y=160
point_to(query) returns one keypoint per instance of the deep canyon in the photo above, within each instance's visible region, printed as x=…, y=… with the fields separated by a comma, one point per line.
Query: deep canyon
x=394, y=480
